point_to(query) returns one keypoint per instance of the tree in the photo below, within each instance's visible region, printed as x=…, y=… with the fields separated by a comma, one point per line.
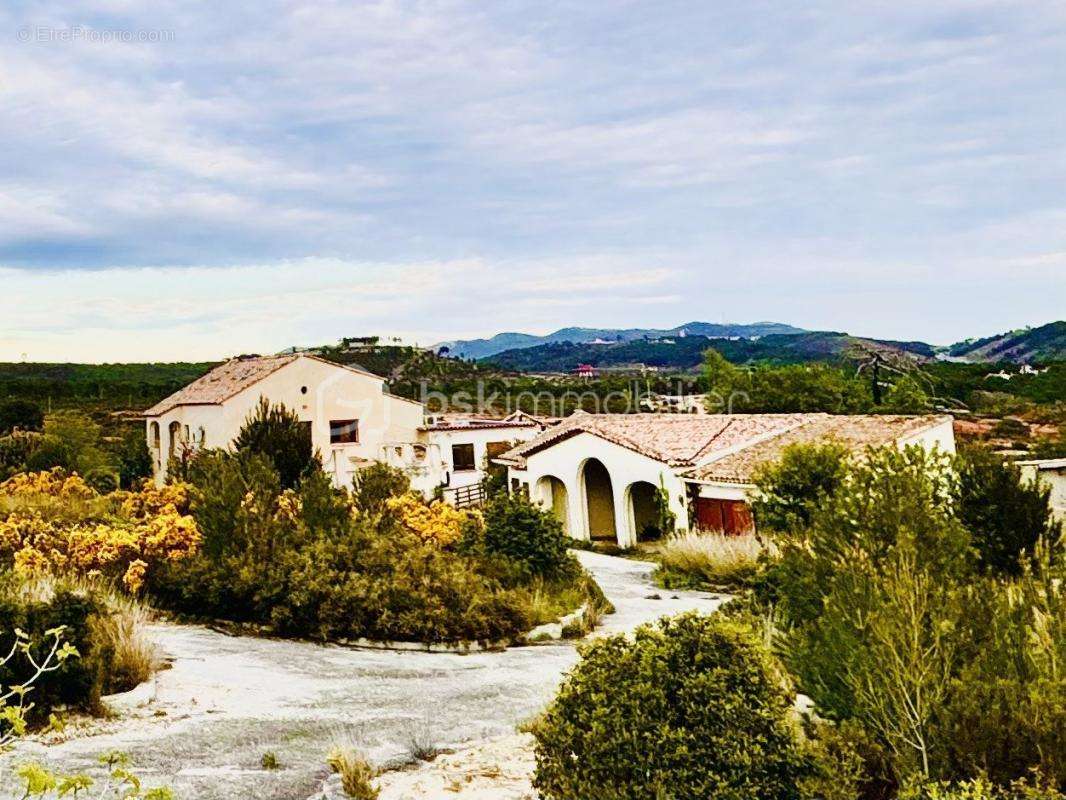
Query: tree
x=788, y=490
x=871, y=589
x=375, y=484
x=1005, y=517
x=278, y=434
x=723, y=380
x=906, y=396
x=71, y=440
x=519, y=530
x=20, y=415
x=690, y=708
x=134, y=460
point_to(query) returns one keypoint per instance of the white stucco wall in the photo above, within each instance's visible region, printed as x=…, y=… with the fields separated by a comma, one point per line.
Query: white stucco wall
x=332, y=393
x=566, y=460
x=1055, y=479
x=480, y=438
x=941, y=437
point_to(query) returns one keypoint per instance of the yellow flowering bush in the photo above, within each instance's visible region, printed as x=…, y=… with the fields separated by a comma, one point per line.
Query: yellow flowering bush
x=152, y=499
x=53, y=483
x=148, y=527
x=437, y=522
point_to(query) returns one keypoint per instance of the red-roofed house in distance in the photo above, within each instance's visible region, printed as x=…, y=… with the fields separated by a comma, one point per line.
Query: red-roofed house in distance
x=606, y=475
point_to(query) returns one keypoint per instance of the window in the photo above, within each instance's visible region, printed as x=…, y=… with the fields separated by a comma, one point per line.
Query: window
x=463, y=457
x=343, y=431
x=155, y=435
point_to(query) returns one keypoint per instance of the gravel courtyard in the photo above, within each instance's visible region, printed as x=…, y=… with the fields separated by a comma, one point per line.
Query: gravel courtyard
x=205, y=724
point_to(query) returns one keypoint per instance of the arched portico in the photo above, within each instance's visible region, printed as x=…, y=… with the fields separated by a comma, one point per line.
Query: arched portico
x=552, y=494
x=642, y=510
x=598, y=500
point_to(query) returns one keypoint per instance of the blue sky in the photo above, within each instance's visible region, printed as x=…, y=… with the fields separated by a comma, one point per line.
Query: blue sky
x=246, y=176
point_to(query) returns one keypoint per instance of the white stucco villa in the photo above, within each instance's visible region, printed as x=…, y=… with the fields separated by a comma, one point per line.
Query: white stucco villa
x=351, y=419
x=601, y=473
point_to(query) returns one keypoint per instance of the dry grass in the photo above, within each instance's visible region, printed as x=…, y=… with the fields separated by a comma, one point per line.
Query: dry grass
x=121, y=629
x=711, y=558
x=136, y=657
x=356, y=773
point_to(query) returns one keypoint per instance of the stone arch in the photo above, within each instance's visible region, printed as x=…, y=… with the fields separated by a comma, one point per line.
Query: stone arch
x=173, y=438
x=552, y=494
x=597, y=495
x=642, y=506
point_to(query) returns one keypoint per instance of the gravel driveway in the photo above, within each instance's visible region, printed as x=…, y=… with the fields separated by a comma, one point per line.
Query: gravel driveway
x=227, y=700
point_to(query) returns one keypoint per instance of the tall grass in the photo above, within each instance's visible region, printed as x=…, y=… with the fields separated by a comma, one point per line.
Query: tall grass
x=123, y=630
x=120, y=629
x=693, y=558
x=356, y=773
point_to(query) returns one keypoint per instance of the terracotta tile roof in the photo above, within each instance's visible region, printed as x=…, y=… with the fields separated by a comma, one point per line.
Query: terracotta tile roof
x=229, y=379
x=466, y=423
x=676, y=439
x=855, y=432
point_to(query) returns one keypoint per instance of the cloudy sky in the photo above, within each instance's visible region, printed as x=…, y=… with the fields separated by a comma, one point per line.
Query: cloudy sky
x=196, y=179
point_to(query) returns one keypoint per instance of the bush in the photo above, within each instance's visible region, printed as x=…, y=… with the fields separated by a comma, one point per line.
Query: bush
x=1005, y=517
x=37, y=608
x=134, y=460
x=15, y=451
x=519, y=530
x=307, y=563
x=789, y=490
x=278, y=434
x=691, y=707
x=103, y=480
x=376, y=484
x=1006, y=714
x=20, y=415
x=52, y=522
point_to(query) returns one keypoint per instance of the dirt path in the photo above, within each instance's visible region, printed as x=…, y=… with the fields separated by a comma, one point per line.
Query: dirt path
x=205, y=723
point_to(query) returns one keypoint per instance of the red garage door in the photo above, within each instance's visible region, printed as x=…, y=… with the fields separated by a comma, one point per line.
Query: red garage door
x=728, y=516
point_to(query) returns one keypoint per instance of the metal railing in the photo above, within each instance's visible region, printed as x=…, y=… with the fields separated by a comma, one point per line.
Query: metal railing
x=472, y=496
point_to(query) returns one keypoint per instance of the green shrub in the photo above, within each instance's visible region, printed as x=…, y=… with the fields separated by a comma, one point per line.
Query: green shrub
x=789, y=490
x=278, y=434
x=691, y=707
x=1006, y=714
x=519, y=530
x=374, y=485
x=20, y=415
x=303, y=562
x=36, y=608
x=982, y=788
x=102, y=480
x=1005, y=517
x=134, y=460
x=15, y=452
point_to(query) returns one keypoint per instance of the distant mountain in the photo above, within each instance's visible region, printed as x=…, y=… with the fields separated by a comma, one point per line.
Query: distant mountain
x=501, y=342
x=1046, y=343
x=682, y=353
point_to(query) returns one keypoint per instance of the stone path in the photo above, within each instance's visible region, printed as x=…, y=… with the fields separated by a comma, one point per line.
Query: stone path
x=203, y=726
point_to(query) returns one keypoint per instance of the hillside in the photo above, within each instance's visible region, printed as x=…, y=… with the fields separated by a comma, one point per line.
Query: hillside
x=684, y=353
x=502, y=342
x=1046, y=343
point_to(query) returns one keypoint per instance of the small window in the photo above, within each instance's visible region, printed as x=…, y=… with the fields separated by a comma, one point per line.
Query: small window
x=155, y=435
x=343, y=431
x=303, y=390
x=463, y=457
